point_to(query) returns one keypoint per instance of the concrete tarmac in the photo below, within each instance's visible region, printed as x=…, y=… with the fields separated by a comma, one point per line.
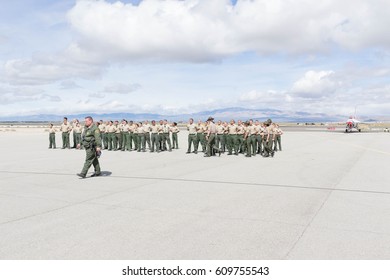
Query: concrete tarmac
x=325, y=196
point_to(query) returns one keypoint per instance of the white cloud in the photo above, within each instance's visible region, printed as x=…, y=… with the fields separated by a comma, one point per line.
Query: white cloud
x=48, y=68
x=69, y=84
x=97, y=95
x=15, y=95
x=316, y=84
x=121, y=88
x=264, y=97
x=196, y=30
x=201, y=31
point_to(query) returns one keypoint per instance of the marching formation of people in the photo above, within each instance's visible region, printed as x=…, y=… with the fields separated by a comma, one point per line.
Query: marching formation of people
x=123, y=136
x=249, y=138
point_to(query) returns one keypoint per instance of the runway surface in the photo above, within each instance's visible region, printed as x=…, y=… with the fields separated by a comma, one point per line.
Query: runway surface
x=325, y=196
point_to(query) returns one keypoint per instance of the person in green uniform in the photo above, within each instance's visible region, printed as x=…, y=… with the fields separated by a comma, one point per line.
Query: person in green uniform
x=92, y=144
x=65, y=128
x=232, y=138
x=175, y=130
x=278, y=138
x=210, y=137
x=155, y=146
x=52, y=137
x=248, y=138
x=118, y=139
x=191, y=127
x=270, y=138
x=77, y=129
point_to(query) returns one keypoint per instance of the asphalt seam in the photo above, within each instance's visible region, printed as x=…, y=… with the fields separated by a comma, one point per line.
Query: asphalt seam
x=320, y=208
x=210, y=181
x=197, y=214
x=68, y=206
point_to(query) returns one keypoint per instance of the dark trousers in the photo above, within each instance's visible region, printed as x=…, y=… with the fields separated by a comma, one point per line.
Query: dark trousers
x=52, y=140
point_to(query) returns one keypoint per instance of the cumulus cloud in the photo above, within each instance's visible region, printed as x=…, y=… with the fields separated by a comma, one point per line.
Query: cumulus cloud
x=121, y=88
x=268, y=97
x=201, y=31
x=309, y=93
x=11, y=95
x=97, y=95
x=69, y=84
x=323, y=92
x=74, y=62
x=196, y=30
x=316, y=84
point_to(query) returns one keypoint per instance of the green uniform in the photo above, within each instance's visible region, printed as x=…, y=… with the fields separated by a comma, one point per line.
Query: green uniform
x=165, y=139
x=278, y=139
x=118, y=138
x=154, y=137
x=268, y=144
x=192, y=137
x=91, y=140
x=52, y=138
x=212, y=134
x=103, y=135
x=65, y=129
x=175, y=144
x=232, y=142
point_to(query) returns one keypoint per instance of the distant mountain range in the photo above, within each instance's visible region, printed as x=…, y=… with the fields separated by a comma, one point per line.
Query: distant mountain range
x=224, y=114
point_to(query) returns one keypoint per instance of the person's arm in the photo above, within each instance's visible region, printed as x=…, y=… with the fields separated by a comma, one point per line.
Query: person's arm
x=98, y=140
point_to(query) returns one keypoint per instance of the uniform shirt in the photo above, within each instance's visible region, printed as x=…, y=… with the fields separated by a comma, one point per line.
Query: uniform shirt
x=77, y=129
x=220, y=129
x=52, y=130
x=191, y=128
x=146, y=127
x=201, y=128
x=111, y=129
x=92, y=133
x=206, y=129
x=225, y=129
x=257, y=129
x=212, y=128
x=125, y=128
x=65, y=127
x=270, y=130
x=117, y=129
x=278, y=131
x=247, y=130
x=253, y=130
x=132, y=128
x=140, y=130
x=154, y=128
x=175, y=129
x=240, y=129
x=232, y=129
x=165, y=128
x=102, y=128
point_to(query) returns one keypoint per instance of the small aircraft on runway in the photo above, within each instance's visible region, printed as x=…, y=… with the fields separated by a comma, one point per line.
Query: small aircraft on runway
x=352, y=123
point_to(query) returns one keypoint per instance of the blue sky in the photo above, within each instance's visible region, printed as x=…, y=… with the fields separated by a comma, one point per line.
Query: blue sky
x=173, y=56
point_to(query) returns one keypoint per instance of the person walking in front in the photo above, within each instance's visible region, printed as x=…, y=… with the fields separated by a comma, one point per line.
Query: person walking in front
x=92, y=144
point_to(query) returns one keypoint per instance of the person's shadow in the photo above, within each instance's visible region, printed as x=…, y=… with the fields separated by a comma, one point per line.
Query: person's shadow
x=105, y=173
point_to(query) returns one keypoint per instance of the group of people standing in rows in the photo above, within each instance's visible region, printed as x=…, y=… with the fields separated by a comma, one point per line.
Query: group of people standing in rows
x=123, y=136
x=249, y=138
